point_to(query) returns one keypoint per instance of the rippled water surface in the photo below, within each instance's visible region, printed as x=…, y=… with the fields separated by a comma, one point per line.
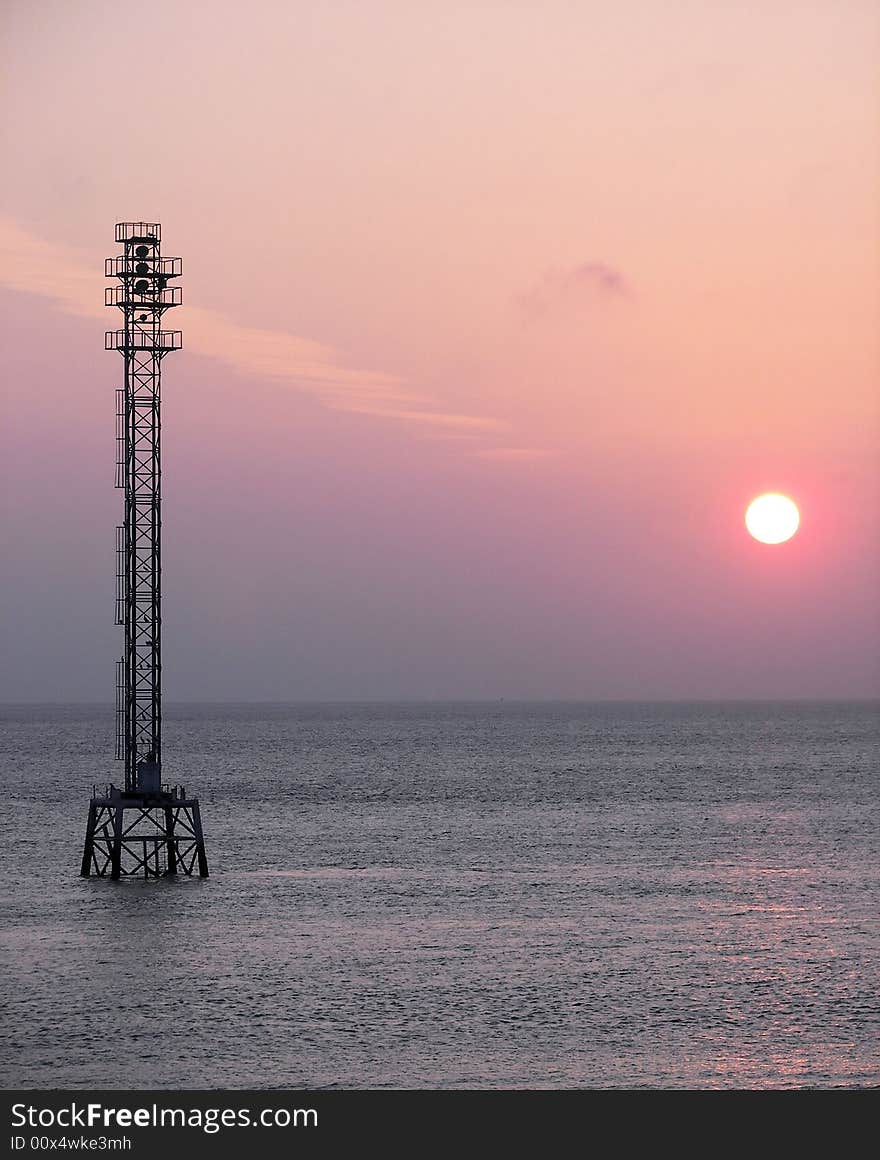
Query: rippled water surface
x=550, y=895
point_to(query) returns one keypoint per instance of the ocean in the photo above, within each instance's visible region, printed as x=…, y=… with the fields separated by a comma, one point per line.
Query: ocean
x=550, y=895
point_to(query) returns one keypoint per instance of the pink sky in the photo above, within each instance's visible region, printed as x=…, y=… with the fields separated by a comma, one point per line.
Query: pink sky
x=496, y=317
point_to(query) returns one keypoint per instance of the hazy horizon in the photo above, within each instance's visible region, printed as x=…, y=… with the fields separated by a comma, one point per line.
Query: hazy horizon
x=495, y=319
x=348, y=701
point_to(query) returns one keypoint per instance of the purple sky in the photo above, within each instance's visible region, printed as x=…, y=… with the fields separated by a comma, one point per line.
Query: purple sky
x=496, y=316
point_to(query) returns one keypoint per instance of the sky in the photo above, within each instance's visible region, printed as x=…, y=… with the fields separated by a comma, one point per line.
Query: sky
x=496, y=316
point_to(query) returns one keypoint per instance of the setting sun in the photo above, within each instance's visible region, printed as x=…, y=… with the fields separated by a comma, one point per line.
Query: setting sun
x=772, y=518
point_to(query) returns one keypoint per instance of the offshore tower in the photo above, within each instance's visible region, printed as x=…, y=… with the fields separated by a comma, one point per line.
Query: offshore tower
x=145, y=828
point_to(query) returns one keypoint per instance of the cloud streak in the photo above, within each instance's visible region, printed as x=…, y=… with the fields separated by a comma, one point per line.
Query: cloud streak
x=580, y=285
x=31, y=265
x=515, y=454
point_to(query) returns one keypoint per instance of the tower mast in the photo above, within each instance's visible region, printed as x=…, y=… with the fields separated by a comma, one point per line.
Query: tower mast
x=143, y=295
x=166, y=835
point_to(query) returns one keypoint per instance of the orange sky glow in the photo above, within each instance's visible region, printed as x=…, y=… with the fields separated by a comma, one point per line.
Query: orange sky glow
x=496, y=317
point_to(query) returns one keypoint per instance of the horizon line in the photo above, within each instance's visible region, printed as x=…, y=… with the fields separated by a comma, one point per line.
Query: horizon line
x=867, y=699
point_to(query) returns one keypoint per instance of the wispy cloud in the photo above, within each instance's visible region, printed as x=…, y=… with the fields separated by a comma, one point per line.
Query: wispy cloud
x=439, y=419
x=515, y=454
x=586, y=283
x=34, y=266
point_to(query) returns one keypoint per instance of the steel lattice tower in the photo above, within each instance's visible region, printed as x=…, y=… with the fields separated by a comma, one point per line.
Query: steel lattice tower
x=166, y=834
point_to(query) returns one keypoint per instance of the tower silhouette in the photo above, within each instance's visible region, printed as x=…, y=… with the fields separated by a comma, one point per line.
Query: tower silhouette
x=147, y=827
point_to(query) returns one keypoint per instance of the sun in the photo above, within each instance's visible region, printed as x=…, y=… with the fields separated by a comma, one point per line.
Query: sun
x=772, y=518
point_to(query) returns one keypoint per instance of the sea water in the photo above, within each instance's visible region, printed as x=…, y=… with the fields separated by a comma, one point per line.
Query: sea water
x=455, y=895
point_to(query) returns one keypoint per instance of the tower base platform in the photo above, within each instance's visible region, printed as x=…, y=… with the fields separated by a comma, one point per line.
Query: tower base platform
x=138, y=834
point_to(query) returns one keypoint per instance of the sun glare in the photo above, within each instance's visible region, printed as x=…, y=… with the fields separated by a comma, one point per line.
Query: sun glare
x=772, y=518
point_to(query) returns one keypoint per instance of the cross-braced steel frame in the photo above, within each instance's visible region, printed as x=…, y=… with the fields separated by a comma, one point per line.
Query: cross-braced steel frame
x=165, y=836
x=137, y=836
x=143, y=294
